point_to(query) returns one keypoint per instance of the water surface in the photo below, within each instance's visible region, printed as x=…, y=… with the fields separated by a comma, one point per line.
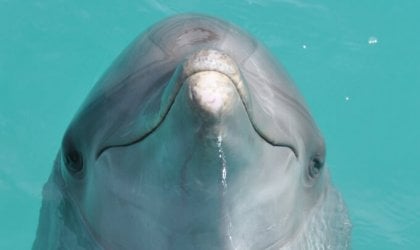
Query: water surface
x=357, y=64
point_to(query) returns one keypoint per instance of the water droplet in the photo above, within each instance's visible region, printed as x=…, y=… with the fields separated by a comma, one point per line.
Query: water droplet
x=223, y=161
x=372, y=40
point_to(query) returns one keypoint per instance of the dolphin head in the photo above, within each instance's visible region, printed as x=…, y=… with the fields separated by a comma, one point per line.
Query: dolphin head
x=195, y=138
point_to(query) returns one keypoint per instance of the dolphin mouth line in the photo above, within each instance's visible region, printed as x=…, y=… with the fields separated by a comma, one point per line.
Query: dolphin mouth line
x=171, y=92
x=195, y=65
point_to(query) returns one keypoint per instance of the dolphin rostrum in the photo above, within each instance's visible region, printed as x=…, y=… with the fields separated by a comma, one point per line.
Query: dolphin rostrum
x=195, y=138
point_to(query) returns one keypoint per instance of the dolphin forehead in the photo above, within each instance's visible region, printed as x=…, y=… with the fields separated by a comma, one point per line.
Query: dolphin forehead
x=164, y=45
x=124, y=105
x=185, y=34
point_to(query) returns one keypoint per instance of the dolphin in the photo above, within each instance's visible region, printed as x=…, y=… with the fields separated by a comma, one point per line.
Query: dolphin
x=195, y=138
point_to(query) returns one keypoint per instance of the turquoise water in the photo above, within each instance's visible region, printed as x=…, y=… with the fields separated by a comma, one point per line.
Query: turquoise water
x=357, y=65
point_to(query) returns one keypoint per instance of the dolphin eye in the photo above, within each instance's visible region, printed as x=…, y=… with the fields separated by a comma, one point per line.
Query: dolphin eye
x=315, y=167
x=72, y=159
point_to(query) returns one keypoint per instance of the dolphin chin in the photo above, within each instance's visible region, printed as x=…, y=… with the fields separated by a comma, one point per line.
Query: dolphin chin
x=195, y=138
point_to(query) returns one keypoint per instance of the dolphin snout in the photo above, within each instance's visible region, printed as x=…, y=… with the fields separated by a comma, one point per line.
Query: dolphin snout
x=211, y=93
x=213, y=79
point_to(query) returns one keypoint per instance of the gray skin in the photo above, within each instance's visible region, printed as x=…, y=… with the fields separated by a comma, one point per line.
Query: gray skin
x=195, y=138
